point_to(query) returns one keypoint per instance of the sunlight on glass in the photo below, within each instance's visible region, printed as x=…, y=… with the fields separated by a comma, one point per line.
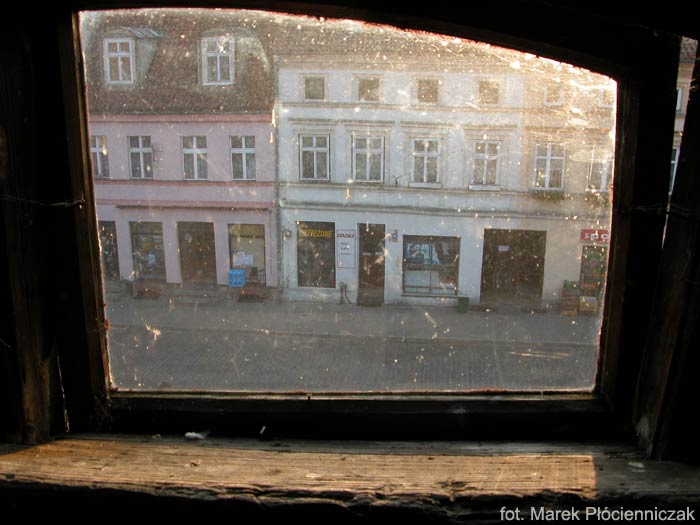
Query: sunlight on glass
x=288, y=204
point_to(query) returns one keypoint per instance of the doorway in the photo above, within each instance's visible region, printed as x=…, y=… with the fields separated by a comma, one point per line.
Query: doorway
x=370, y=291
x=197, y=254
x=512, y=270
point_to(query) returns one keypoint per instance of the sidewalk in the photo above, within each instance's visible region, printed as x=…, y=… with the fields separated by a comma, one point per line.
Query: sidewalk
x=406, y=323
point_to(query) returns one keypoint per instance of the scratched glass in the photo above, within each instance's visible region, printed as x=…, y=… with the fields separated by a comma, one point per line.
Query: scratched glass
x=291, y=204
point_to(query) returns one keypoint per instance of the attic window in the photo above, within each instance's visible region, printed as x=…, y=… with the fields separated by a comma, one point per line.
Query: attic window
x=217, y=60
x=119, y=60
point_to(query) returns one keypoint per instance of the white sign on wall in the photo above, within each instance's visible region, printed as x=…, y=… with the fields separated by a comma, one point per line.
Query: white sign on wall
x=345, y=248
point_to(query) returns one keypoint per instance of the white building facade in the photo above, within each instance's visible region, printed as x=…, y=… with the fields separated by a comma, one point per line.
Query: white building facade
x=418, y=179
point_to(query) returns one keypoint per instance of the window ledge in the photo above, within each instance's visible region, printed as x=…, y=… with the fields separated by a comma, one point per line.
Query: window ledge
x=450, y=481
x=435, y=185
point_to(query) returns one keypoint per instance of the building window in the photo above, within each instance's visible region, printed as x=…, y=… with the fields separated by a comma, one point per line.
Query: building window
x=674, y=167
x=489, y=92
x=427, y=90
x=554, y=95
x=119, y=60
x=98, y=156
x=430, y=265
x=549, y=166
x=368, y=158
x=606, y=98
x=368, y=89
x=147, y=250
x=316, y=254
x=426, y=160
x=679, y=98
x=243, y=157
x=140, y=157
x=601, y=170
x=314, y=88
x=217, y=60
x=315, y=157
x=485, y=171
x=194, y=157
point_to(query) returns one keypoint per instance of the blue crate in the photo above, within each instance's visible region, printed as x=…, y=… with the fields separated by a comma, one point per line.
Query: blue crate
x=236, y=278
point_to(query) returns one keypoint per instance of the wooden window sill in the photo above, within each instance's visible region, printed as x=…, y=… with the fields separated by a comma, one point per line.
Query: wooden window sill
x=447, y=481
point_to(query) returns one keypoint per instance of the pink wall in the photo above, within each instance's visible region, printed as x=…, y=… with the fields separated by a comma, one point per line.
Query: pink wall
x=169, y=199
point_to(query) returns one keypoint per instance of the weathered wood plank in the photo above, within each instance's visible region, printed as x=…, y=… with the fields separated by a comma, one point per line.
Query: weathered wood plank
x=399, y=474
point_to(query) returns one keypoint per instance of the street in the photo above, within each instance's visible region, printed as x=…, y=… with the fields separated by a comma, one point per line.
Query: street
x=256, y=360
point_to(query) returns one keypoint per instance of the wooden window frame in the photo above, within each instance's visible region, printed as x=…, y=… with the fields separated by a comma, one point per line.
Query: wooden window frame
x=141, y=150
x=244, y=151
x=198, y=153
x=645, y=111
x=99, y=154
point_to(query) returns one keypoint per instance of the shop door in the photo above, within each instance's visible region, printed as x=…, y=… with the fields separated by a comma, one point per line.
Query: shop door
x=197, y=255
x=371, y=272
x=512, y=268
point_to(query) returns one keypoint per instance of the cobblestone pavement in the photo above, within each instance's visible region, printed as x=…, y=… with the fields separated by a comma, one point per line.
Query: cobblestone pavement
x=311, y=347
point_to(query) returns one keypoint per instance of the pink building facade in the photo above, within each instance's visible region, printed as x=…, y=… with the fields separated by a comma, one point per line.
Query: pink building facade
x=182, y=150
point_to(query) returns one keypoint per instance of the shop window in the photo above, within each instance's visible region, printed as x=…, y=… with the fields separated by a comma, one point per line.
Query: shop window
x=247, y=249
x=316, y=254
x=109, y=253
x=430, y=265
x=147, y=250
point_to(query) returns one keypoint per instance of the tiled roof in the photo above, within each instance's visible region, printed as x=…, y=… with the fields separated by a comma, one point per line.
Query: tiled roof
x=689, y=48
x=168, y=63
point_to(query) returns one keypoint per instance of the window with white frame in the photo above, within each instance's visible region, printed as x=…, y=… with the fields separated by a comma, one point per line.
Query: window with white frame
x=243, y=157
x=194, y=157
x=217, y=60
x=485, y=163
x=554, y=94
x=600, y=171
x=427, y=90
x=140, y=157
x=368, y=89
x=426, y=160
x=98, y=156
x=549, y=166
x=314, y=157
x=119, y=60
x=489, y=92
x=314, y=88
x=368, y=158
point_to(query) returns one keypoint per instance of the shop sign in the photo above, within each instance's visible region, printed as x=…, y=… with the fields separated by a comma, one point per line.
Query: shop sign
x=346, y=242
x=595, y=236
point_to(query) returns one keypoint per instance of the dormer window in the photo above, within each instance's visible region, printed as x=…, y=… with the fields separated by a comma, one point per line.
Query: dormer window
x=119, y=60
x=217, y=60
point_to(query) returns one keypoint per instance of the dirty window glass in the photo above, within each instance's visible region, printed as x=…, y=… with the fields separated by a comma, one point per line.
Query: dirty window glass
x=294, y=204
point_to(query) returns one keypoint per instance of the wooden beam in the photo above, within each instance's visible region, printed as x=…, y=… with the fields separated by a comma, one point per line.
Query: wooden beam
x=452, y=482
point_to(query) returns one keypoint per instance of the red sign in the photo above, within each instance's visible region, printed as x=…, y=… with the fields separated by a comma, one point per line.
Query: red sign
x=595, y=236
